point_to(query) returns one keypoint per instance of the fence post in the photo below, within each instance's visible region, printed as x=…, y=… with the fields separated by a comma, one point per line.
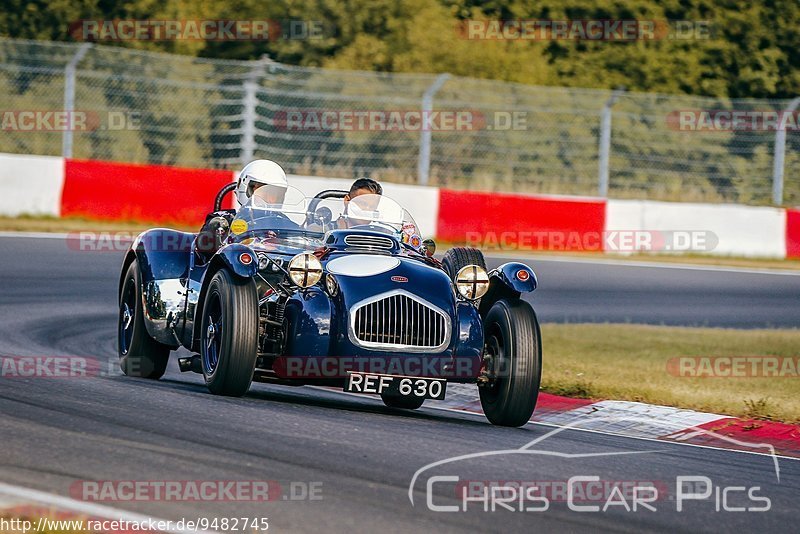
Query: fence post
x=605, y=142
x=248, y=147
x=424, y=162
x=780, y=154
x=249, y=112
x=69, y=96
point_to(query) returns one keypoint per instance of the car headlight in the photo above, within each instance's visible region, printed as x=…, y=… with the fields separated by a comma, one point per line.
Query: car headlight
x=472, y=282
x=305, y=269
x=263, y=261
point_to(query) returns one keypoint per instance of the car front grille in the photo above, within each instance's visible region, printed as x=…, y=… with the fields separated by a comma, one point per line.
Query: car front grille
x=371, y=242
x=399, y=321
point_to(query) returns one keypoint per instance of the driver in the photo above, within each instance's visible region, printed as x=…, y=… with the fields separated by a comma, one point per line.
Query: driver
x=262, y=178
x=362, y=186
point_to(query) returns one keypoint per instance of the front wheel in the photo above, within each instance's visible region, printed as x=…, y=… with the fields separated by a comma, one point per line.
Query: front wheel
x=406, y=403
x=139, y=354
x=229, y=335
x=513, y=355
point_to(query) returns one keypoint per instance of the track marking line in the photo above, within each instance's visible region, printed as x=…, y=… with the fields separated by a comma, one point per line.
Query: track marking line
x=591, y=430
x=36, y=235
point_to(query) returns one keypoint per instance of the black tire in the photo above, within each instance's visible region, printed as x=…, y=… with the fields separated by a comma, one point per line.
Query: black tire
x=139, y=354
x=228, y=351
x=513, y=340
x=458, y=257
x=406, y=403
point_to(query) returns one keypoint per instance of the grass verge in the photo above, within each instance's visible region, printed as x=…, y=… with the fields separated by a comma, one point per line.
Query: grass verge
x=632, y=362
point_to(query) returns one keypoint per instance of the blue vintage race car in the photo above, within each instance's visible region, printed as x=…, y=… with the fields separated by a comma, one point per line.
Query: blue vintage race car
x=333, y=292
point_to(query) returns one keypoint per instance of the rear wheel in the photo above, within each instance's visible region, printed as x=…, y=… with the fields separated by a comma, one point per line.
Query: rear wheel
x=407, y=403
x=229, y=334
x=513, y=351
x=139, y=354
x=459, y=257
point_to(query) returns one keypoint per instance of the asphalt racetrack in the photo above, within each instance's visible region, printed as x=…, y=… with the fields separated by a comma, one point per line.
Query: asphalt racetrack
x=355, y=456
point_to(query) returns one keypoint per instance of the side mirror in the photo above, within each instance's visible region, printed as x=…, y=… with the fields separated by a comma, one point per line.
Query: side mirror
x=429, y=247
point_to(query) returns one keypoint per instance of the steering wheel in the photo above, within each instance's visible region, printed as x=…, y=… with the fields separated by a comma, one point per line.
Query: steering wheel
x=311, y=216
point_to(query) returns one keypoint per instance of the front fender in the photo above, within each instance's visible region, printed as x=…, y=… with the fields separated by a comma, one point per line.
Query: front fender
x=516, y=276
x=509, y=280
x=231, y=256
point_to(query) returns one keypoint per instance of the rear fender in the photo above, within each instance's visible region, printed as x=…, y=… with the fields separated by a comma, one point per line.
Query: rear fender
x=162, y=257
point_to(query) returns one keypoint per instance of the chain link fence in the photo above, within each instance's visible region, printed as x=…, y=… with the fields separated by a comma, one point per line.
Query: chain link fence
x=147, y=107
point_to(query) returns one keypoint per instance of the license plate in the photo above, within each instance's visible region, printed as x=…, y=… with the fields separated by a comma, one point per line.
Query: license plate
x=397, y=386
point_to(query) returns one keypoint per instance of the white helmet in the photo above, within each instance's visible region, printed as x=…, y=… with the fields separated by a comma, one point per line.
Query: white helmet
x=259, y=173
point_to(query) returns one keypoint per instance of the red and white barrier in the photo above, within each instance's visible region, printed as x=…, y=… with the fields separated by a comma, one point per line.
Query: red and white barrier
x=31, y=185
x=793, y=233
x=44, y=185
x=738, y=230
x=519, y=221
x=117, y=191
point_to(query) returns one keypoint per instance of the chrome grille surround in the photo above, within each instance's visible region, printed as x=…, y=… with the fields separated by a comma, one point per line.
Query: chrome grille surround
x=401, y=321
x=371, y=242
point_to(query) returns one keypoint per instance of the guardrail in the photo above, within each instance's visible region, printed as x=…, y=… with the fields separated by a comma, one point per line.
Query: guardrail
x=511, y=222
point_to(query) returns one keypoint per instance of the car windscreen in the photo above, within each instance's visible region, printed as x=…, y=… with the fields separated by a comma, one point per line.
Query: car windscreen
x=273, y=210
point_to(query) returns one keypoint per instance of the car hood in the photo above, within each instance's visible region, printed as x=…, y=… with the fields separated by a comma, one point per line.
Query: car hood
x=363, y=276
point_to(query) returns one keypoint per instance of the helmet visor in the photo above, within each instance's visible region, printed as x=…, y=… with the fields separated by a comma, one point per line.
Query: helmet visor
x=270, y=194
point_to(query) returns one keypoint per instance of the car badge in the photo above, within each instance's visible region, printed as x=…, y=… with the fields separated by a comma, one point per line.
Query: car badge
x=399, y=279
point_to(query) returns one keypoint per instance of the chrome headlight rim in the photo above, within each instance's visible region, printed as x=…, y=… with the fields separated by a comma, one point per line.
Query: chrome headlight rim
x=305, y=270
x=472, y=282
x=263, y=261
x=267, y=262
